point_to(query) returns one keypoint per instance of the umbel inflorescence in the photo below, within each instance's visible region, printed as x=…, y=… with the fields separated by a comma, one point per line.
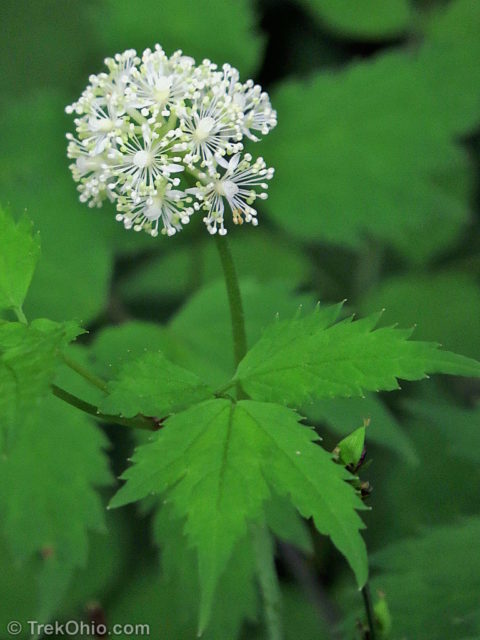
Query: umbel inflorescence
x=163, y=138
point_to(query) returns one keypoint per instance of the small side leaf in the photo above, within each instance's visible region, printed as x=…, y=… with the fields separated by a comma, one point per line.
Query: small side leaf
x=153, y=386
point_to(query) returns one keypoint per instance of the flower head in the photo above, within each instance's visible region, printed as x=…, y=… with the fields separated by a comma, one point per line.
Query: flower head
x=163, y=138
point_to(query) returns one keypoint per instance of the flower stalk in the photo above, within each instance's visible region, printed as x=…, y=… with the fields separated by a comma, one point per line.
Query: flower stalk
x=261, y=539
x=237, y=315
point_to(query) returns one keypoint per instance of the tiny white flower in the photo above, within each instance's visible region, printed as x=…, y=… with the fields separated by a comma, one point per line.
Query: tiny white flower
x=160, y=83
x=210, y=129
x=148, y=128
x=240, y=185
x=141, y=160
x=257, y=110
x=170, y=207
x=99, y=127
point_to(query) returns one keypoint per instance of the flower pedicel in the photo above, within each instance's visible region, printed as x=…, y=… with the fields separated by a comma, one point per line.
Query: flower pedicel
x=163, y=138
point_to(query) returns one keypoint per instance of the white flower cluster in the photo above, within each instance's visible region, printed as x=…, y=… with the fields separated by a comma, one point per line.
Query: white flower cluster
x=163, y=138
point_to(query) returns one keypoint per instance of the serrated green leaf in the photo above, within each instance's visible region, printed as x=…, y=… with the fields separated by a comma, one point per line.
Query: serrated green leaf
x=372, y=20
x=153, y=386
x=231, y=605
x=29, y=355
x=218, y=462
x=204, y=322
x=210, y=468
x=343, y=414
x=296, y=361
x=179, y=24
x=47, y=485
x=298, y=468
x=19, y=252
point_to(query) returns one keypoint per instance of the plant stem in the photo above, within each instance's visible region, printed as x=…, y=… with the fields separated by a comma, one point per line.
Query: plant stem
x=21, y=317
x=234, y=299
x=262, y=541
x=89, y=377
x=139, y=422
x=267, y=577
x=367, y=601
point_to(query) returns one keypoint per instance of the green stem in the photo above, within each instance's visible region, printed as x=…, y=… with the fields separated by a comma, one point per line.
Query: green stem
x=225, y=387
x=234, y=299
x=367, y=601
x=139, y=422
x=21, y=317
x=267, y=577
x=86, y=374
x=262, y=541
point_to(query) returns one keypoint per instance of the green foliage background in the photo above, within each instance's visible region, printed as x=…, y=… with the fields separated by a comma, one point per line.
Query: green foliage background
x=375, y=199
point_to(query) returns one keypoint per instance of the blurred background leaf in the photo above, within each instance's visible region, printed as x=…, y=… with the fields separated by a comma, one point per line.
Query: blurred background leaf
x=222, y=30
x=375, y=199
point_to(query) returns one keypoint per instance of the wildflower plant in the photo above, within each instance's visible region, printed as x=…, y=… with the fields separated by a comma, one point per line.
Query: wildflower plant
x=164, y=138
x=228, y=466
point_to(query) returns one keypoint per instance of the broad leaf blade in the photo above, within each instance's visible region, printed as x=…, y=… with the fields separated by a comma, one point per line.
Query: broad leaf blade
x=19, y=252
x=218, y=463
x=212, y=469
x=300, y=469
x=295, y=362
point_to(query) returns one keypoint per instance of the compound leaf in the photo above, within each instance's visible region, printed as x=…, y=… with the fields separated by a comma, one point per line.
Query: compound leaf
x=219, y=462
